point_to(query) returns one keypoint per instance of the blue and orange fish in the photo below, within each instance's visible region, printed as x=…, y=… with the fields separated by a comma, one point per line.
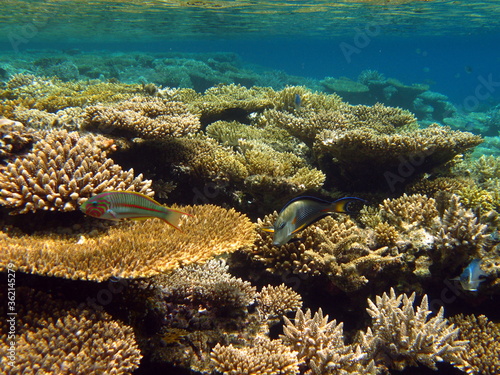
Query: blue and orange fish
x=118, y=205
x=303, y=211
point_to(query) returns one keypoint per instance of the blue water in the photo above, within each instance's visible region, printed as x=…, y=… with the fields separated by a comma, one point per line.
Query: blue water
x=449, y=45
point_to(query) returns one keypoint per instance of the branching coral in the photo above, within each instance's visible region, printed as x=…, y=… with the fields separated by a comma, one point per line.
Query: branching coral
x=130, y=250
x=483, y=346
x=404, y=238
x=276, y=301
x=149, y=118
x=402, y=336
x=320, y=345
x=332, y=247
x=62, y=171
x=410, y=211
x=264, y=357
x=209, y=285
x=54, y=336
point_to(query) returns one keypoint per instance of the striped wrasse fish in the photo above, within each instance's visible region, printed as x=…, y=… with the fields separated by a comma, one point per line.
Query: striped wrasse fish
x=119, y=205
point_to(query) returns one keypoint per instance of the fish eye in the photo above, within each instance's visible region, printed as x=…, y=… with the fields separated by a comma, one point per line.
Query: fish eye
x=281, y=225
x=94, y=204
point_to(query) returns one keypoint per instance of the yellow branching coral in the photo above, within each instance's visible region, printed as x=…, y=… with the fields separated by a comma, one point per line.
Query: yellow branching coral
x=283, y=173
x=62, y=171
x=130, y=250
x=55, y=336
x=148, y=118
x=320, y=345
x=332, y=247
x=402, y=336
x=483, y=348
x=410, y=211
x=263, y=357
x=276, y=301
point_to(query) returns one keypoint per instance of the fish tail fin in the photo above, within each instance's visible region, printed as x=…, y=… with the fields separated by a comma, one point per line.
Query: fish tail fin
x=342, y=205
x=172, y=218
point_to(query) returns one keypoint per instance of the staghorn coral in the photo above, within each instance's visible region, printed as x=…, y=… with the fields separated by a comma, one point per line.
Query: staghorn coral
x=209, y=285
x=401, y=336
x=483, y=337
x=56, y=336
x=62, y=171
x=132, y=249
x=148, y=118
x=320, y=345
x=276, y=301
x=263, y=357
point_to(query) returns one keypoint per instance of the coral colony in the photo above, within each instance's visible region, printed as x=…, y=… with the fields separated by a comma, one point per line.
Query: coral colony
x=219, y=295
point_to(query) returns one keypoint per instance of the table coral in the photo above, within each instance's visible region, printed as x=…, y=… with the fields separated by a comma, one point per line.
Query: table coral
x=378, y=159
x=130, y=250
x=148, y=118
x=61, y=171
x=56, y=336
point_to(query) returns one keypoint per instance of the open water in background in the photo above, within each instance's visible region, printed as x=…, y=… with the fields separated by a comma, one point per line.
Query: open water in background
x=449, y=44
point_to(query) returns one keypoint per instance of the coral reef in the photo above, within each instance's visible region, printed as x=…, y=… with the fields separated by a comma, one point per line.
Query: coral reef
x=14, y=138
x=148, y=118
x=320, y=345
x=401, y=336
x=277, y=301
x=483, y=337
x=403, y=238
x=263, y=357
x=61, y=171
x=365, y=155
x=208, y=285
x=57, y=336
x=130, y=250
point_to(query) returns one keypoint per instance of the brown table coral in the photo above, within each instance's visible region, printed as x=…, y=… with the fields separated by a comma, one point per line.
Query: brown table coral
x=148, y=118
x=130, y=250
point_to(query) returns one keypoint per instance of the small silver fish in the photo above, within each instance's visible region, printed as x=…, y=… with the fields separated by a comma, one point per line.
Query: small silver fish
x=297, y=102
x=472, y=276
x=301, y=212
